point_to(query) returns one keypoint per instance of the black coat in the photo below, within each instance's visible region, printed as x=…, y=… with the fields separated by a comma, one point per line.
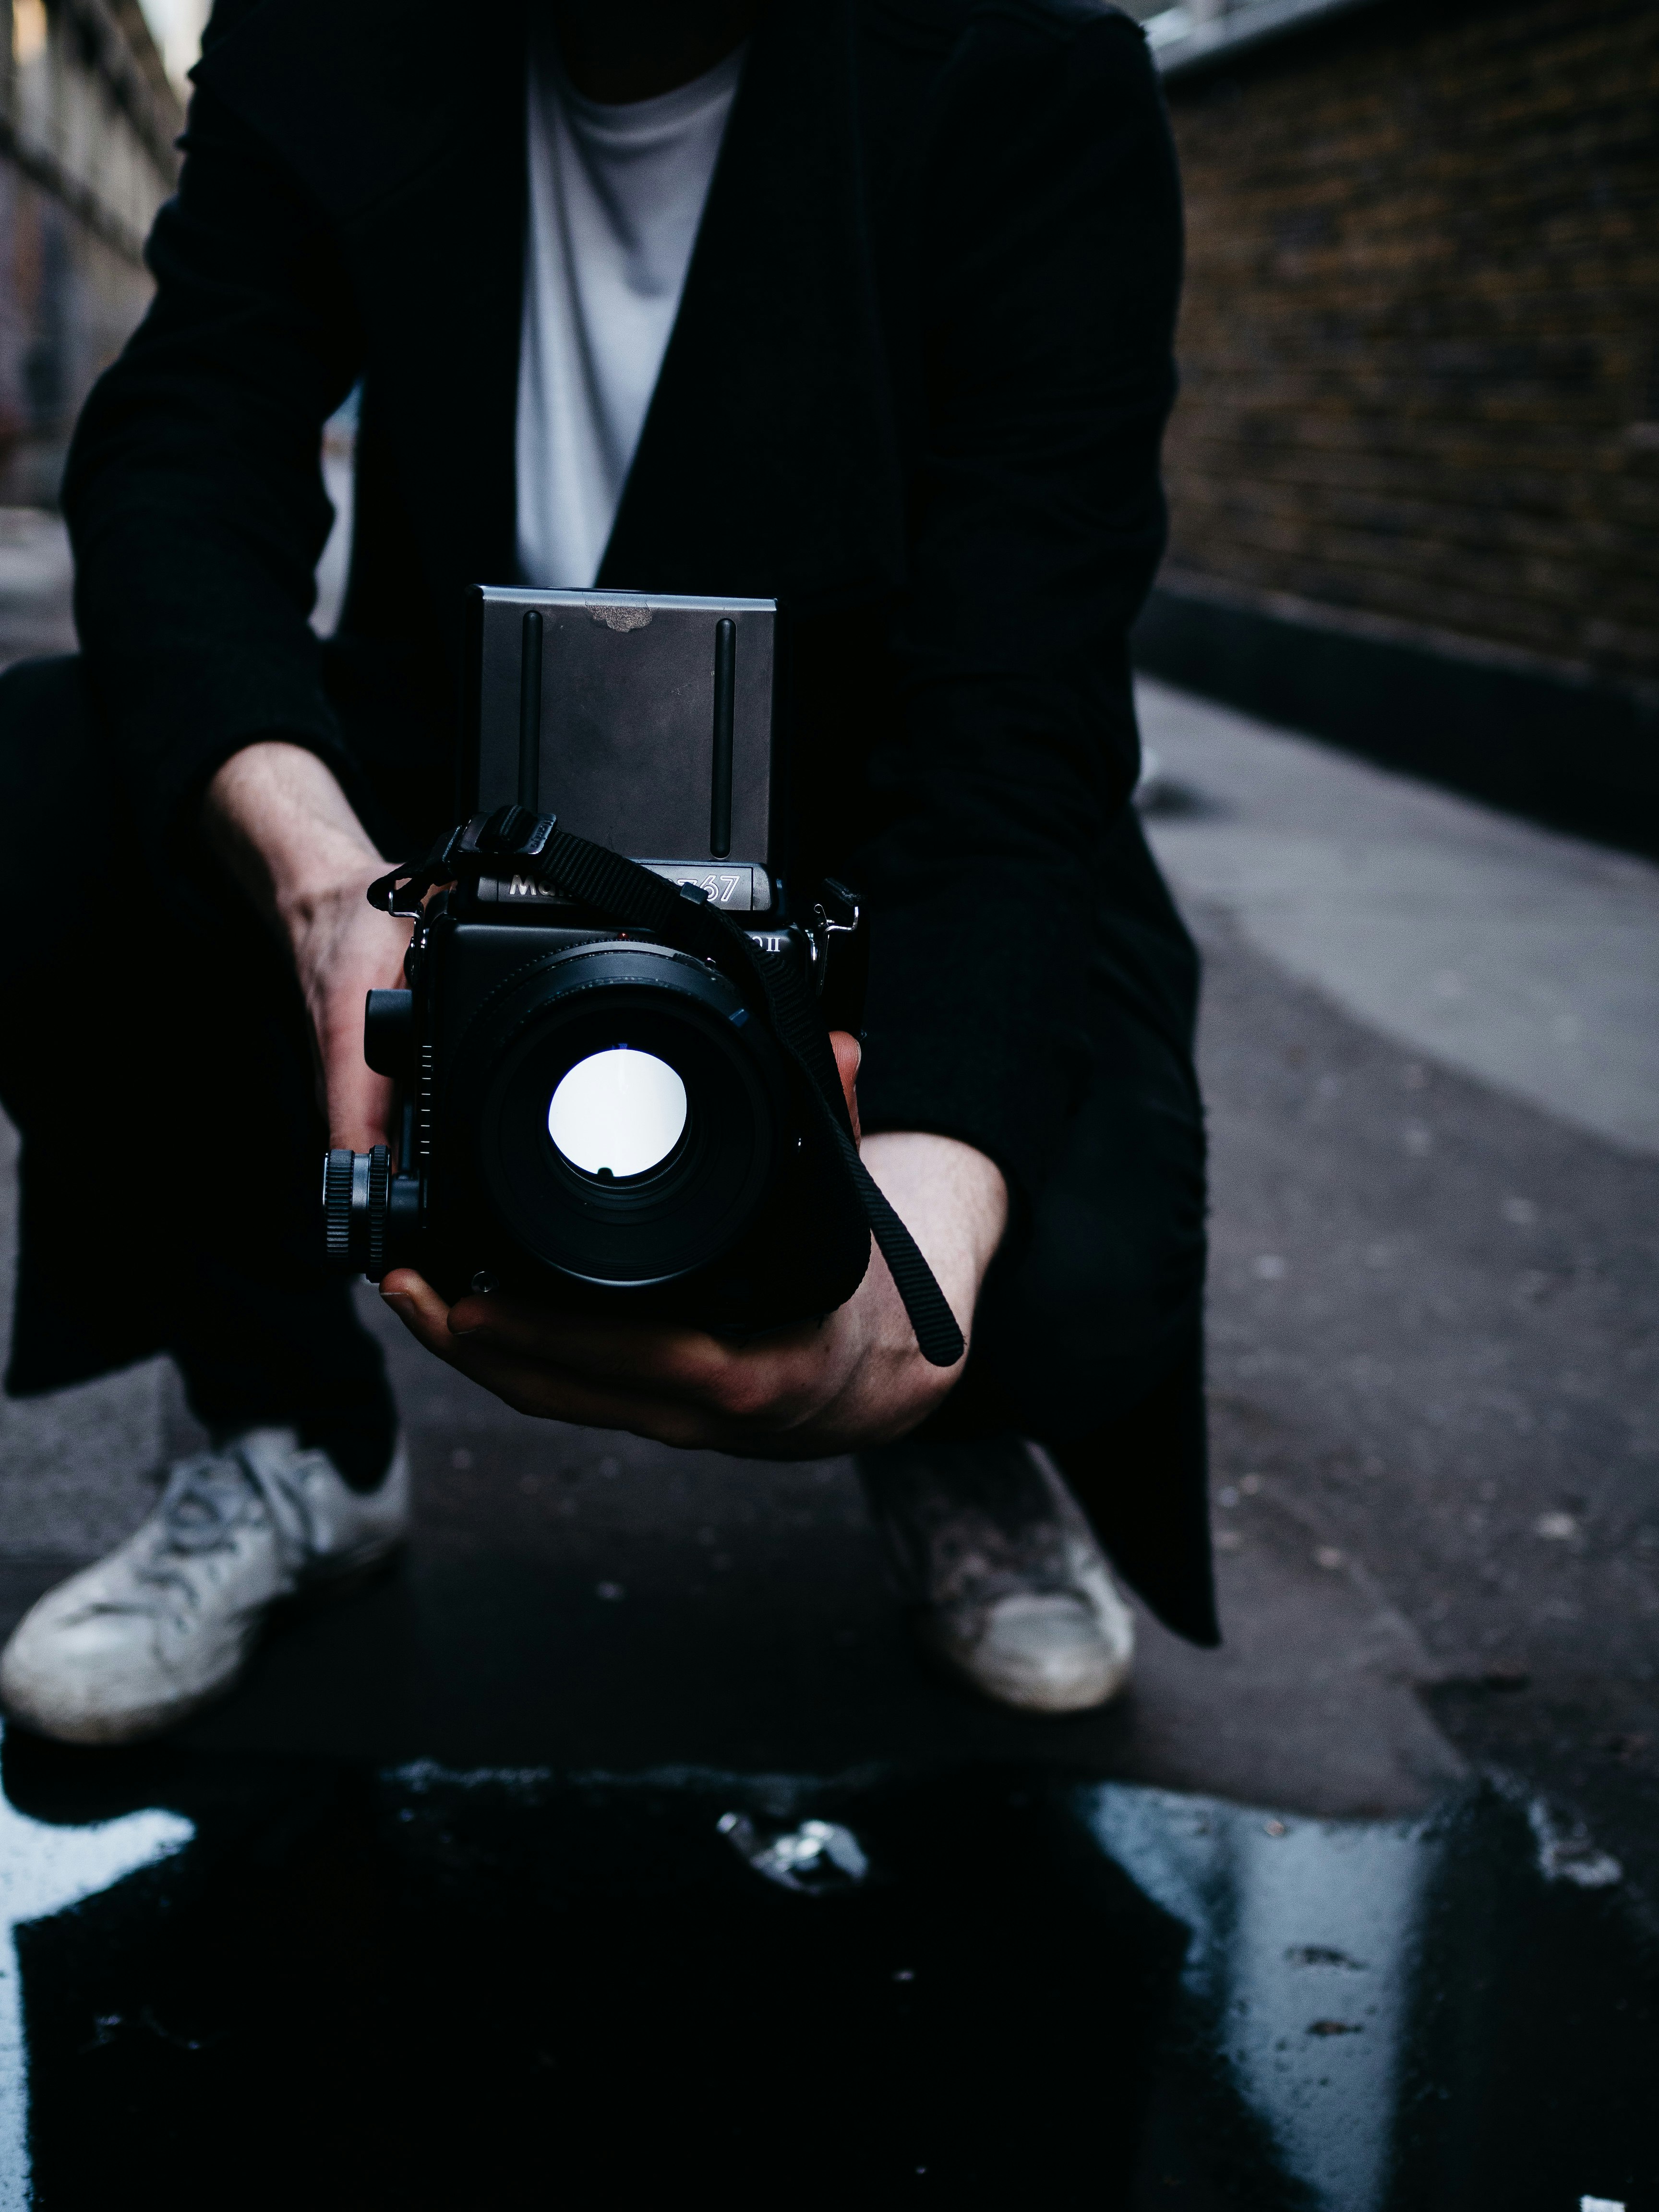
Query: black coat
x=915, y=388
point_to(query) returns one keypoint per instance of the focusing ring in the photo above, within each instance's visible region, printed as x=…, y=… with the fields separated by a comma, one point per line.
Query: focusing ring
x=336, y=1204
x=380, y=1200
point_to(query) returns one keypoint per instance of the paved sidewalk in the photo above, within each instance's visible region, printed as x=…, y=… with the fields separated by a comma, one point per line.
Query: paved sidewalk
x=1430, y=1043
x=1524, y=959
x=36, y=579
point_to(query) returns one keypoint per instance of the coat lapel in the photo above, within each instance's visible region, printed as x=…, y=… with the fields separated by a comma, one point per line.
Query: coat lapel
x=412, y=142
x=441, y=276
x=768, y=464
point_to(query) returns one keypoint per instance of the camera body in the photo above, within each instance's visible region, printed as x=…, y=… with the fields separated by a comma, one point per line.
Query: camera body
x=608, y=1092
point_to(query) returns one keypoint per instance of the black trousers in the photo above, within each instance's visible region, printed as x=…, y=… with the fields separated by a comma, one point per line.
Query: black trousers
x=155, y=1055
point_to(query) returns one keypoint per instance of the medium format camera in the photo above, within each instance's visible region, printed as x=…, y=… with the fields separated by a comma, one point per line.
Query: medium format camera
x=615, y=1085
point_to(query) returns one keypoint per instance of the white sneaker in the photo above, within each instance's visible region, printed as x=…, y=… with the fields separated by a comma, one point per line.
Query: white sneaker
x=1011, y=1589
x=144, y=1638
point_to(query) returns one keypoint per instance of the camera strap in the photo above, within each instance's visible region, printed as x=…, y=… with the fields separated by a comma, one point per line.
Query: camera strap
x=679, y=913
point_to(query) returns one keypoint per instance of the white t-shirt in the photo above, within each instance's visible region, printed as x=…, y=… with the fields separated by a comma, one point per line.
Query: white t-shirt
x=616, y=198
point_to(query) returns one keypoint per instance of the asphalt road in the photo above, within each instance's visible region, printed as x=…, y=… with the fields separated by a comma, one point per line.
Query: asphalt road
x=1424, y=1046
x=1428, y=1045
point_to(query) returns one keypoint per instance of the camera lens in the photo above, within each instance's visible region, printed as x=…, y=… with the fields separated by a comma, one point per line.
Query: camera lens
x=617, y=1113
x=625, y=1113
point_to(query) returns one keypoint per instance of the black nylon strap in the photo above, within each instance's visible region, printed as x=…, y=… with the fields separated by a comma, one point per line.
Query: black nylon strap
x=619, y=887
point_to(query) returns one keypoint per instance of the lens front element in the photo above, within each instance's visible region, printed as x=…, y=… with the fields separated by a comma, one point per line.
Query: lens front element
x=617, y=1113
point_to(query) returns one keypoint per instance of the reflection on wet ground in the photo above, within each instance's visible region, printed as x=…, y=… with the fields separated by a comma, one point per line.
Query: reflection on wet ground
x=299, y=1982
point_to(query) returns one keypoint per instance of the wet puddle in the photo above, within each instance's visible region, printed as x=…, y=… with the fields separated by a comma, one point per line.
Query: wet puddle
x=298, y=1983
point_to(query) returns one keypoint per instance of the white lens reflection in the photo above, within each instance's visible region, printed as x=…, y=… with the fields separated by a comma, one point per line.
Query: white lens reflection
x=618, y=1112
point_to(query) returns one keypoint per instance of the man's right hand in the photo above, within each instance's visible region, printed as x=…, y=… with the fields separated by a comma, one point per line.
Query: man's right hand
x=279, y=818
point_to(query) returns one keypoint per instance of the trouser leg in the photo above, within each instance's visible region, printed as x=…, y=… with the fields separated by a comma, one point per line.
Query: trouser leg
x=1089, y=1337
x=155, y=1060
x=1100, y=1297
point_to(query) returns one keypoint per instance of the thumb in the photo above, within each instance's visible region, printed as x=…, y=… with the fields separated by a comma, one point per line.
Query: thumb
x=358, y=1101
x=848, y=1053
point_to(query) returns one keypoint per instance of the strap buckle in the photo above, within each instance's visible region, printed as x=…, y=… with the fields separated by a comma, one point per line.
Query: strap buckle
x=836, y=913
x=511, y=833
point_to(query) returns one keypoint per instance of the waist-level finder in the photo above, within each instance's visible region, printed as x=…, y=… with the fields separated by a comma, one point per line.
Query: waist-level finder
x=657, y=727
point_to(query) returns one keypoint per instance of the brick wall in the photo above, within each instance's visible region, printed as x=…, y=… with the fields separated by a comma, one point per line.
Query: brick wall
x=1420, y=341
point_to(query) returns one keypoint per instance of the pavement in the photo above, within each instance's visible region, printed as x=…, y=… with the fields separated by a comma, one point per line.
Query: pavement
x=1435, y=1307
x=1429, y=1043
x=36, y=574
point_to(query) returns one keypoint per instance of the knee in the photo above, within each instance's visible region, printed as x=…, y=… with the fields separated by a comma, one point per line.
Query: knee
x=59, y=801
x=1122, y=1272
x=46, y=732
x=48, y=691
x=1100, y=1301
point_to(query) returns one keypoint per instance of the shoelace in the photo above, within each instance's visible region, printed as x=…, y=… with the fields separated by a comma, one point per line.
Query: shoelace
x=963, y=1558
x=206, y=1500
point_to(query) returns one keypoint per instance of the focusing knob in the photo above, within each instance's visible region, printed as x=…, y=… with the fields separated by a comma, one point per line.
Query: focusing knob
x=357, y=1200
x=379, y=1200
x=336, y=1204
x=389, y=1032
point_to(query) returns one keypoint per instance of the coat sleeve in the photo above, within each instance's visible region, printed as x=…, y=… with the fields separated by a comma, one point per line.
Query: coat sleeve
x=1047, y=244
x=194, y=492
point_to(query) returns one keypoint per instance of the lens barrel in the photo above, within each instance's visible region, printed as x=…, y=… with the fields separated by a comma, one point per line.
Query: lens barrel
x=637, y=1230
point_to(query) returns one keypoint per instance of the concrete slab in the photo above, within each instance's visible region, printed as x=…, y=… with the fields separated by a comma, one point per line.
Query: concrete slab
x=36, y=580
x=1527, y=959
x=1434, y=1299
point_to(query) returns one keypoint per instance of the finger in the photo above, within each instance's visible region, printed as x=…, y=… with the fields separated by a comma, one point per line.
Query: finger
x=738, y=1379
x=532, y=1386
x=548, y=1392
x=496, y=1334
x=771, y=1407
x=358, y=1102
x=554, y=1395
x=360, y=1105
x=849, y=1053
x=422, y=1312
x=751, y=1388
